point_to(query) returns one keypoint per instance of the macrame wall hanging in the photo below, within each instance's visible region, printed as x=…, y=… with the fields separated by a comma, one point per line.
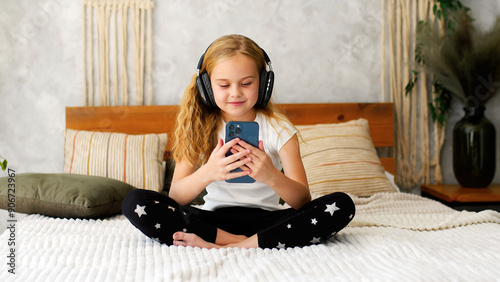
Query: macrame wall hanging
x=109, y=27
x=417, y=149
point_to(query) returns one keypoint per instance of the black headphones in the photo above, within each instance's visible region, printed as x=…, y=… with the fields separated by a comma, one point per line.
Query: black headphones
x=266, y=83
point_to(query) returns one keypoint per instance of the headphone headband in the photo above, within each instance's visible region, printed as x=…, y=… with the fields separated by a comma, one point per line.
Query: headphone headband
x=200, y=62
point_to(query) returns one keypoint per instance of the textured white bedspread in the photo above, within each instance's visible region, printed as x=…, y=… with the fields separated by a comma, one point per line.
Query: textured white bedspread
x=393, y=237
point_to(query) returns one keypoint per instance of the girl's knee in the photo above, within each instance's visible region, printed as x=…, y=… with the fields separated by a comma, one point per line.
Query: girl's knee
x=338, y=197
x=344, y=198
x=340, y=204
x=133, y=198
x=130, y=201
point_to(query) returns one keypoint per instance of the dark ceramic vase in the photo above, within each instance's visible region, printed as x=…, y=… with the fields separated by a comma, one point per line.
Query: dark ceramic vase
x=474, y=149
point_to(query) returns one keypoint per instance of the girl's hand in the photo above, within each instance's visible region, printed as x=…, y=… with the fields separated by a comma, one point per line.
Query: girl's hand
x=219, y=166
x=291, y=186
x=188, y=181
x=260, y=166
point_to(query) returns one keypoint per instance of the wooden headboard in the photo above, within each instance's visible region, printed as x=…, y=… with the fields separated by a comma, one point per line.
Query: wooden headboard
x=160, y=119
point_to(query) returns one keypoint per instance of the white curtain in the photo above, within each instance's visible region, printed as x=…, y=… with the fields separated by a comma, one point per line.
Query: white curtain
x=418, y=139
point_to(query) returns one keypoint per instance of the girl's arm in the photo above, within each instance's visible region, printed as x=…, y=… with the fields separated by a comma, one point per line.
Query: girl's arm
x=188, y=182
x=298, y=191
x=185, y=176
x=292, y=186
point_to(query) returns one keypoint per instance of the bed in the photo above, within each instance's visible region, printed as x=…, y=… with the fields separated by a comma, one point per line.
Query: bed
x=394, y=235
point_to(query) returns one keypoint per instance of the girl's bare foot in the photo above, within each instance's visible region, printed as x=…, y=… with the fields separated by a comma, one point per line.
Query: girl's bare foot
x=193, y=240
x=224, y=238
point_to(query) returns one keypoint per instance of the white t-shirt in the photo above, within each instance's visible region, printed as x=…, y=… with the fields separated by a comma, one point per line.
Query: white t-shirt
x=222, y=194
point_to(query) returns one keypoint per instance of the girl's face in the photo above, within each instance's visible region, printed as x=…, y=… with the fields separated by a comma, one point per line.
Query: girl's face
x=235, y=83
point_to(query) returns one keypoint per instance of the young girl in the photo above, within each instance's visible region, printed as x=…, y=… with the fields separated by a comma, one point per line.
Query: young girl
x=233, y=84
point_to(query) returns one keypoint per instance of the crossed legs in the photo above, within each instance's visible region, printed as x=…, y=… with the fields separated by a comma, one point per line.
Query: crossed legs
x=162, y=219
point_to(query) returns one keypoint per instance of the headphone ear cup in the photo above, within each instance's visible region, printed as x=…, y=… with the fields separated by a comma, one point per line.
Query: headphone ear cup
x=208, y=90
x=203, y=92
x=265, y=87
x=262, y=87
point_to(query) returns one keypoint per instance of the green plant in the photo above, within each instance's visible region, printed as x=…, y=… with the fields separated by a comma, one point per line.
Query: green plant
x=3, y=165
x=441, y=104
x=464, y=61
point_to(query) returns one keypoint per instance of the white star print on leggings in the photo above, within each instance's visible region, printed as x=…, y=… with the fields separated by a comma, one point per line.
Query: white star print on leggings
x=158, y=216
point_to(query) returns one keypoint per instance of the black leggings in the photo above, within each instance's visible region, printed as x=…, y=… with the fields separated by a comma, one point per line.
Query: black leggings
x=159, y=217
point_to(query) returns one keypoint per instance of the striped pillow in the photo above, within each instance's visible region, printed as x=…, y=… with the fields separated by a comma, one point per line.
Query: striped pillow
x=133, y=159
x=342, y=157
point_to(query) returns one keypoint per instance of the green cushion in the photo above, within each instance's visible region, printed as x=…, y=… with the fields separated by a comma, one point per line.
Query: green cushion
x=65, y=195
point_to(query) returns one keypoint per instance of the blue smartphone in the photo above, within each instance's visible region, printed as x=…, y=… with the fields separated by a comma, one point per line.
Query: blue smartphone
x=247, y=131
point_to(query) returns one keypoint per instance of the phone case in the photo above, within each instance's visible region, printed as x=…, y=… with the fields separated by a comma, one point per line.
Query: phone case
x=247, y=131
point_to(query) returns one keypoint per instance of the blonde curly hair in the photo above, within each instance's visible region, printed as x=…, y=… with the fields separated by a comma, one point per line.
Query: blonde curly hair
x=195, y=134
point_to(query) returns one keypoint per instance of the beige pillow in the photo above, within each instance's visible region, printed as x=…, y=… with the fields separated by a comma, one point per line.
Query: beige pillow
x=342, y=157
x=133, y=159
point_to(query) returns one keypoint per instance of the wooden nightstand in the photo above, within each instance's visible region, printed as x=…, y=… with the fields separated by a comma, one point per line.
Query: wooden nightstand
x=460, y=198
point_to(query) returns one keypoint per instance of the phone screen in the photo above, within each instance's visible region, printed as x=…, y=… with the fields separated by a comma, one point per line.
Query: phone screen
x=248, y=132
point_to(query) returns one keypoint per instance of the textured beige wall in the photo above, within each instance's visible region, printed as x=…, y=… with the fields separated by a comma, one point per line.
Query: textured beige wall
x=322, y=51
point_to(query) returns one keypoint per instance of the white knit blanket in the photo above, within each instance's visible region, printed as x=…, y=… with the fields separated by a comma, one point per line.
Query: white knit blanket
x=393, y=237
x=408, y=211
